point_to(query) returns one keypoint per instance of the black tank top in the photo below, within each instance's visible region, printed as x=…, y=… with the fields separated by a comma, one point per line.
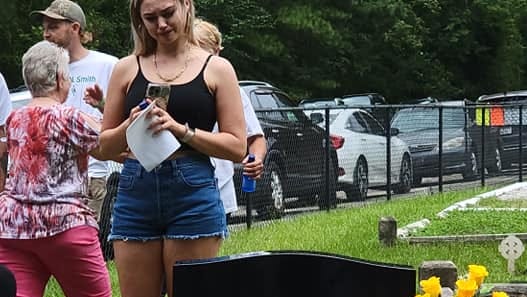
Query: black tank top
x=190, y=102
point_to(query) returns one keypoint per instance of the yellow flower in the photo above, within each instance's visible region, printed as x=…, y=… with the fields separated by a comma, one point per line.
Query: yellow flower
x=428, y=295
x=431, y=286
x=477, y=273
x=499, y=294
x=466, y=288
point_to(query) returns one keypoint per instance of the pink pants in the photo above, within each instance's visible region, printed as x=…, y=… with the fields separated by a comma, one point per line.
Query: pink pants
x=73, y=257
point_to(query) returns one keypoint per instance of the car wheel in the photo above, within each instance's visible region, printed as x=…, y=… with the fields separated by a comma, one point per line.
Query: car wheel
x=359, y=190
x=471, y=167
x=325, y=202
x=105, y=219
x=495, y=166
x=273, y=205
x=405, y=177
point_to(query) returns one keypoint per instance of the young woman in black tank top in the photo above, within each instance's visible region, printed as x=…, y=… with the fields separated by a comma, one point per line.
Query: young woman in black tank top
x=172, y=212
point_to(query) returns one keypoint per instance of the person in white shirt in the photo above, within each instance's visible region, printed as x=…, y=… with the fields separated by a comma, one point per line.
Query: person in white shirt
x=209, y=38
x=64, y=24
x=5, y=109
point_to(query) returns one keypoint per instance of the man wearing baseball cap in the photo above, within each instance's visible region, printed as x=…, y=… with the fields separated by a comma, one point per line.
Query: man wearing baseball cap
x=64, y=24
x=64, y=10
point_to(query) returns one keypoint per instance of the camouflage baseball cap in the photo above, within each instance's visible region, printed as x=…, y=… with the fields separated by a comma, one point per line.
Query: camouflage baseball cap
x=64, y=10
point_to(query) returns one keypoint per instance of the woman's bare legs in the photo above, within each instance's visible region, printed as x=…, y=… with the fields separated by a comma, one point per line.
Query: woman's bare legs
x=177, y=249
x=140, y=267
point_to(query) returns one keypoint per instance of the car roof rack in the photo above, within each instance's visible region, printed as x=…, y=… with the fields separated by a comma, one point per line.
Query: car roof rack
x=309, y=100
x=254, y=83
x=426, y=100
x=494, y=96
x=361, y=94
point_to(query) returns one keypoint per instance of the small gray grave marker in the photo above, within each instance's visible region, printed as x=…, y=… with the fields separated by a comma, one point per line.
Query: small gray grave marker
x=511, y=248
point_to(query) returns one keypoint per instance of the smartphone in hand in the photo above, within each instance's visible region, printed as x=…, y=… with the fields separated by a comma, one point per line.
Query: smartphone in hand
x=158, y=93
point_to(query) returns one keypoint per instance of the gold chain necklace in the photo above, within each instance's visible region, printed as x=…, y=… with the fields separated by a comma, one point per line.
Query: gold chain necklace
x=169, y=79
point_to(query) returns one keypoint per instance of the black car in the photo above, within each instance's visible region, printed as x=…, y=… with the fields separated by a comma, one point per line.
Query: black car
x=368, y=101
x=295, y=160
x=419, y=128
x=504, y=116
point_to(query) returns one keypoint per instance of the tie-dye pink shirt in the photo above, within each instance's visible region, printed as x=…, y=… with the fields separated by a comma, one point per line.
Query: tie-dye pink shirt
x=47, y=187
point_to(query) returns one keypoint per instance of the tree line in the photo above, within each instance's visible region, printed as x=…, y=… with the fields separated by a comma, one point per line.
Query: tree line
x=450, y=49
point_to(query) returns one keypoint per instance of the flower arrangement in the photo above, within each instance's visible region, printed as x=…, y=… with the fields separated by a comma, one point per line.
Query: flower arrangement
x=466, y=287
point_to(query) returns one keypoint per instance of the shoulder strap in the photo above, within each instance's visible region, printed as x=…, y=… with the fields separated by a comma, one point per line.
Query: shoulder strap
x=205, y=65
x=138, y=64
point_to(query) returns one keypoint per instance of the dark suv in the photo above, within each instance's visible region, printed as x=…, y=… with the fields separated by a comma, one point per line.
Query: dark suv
x=504, y=115
x=295, y=161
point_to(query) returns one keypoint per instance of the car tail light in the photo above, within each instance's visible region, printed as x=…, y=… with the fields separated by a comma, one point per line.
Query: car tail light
x=336, y=141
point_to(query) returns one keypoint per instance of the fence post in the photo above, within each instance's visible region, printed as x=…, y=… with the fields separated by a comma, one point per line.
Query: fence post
x=465, y=125
x=326, y=160
x=388, y=154
x=520, y=162
x=440, y=147
x=483, y=121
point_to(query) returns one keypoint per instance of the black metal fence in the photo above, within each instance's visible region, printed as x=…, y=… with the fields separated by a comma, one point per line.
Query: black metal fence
x=320, y=159
x=380, y=152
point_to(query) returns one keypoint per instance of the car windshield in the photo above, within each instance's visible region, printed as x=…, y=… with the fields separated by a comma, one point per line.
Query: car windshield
x=415, y=119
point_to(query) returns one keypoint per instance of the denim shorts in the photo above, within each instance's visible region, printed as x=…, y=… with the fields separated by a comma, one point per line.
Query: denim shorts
x=179, y=199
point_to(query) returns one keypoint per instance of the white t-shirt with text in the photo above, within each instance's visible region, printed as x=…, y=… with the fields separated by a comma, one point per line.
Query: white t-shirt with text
x=5, y=101
x=95, y=68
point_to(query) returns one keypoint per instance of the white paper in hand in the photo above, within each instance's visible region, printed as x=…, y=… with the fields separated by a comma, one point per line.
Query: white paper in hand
x=150, y=150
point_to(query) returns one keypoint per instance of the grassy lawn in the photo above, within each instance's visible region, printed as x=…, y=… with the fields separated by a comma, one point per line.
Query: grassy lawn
x=353, y=232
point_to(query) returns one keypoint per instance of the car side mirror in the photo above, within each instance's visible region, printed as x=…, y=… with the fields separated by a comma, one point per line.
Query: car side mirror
x=394, y=131
x=316, y=117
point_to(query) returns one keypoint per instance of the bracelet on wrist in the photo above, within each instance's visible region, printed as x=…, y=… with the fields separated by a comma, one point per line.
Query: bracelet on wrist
x=189, y=133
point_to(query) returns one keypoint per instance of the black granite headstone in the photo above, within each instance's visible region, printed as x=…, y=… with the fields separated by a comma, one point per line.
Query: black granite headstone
x=292, y=274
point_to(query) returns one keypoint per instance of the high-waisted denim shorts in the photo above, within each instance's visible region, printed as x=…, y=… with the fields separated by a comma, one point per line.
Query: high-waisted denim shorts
x=179, y=199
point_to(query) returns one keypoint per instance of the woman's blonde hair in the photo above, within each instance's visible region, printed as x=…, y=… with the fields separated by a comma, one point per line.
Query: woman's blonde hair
x=144, y=44
x=208, y=36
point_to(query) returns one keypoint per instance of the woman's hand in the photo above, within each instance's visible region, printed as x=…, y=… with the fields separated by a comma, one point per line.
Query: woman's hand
x=134, y=113
x=93, y=96
x=253, y=169
x=161, y=120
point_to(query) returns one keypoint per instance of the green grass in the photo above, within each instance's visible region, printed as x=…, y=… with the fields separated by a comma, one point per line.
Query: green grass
x=498, y=203
x=353, y=232
x=477, y=222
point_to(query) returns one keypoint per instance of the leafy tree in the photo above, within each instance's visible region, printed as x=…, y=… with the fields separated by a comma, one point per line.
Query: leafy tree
x=326, y=48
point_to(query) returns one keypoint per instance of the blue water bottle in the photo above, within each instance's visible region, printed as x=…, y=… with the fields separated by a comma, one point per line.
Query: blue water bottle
x=248, y=184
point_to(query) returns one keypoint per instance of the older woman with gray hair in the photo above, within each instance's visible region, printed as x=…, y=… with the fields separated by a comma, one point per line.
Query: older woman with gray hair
x=46, y=228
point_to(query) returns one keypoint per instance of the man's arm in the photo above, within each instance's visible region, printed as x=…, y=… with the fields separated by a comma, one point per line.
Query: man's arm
x=256, y=143
x=258, y=147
